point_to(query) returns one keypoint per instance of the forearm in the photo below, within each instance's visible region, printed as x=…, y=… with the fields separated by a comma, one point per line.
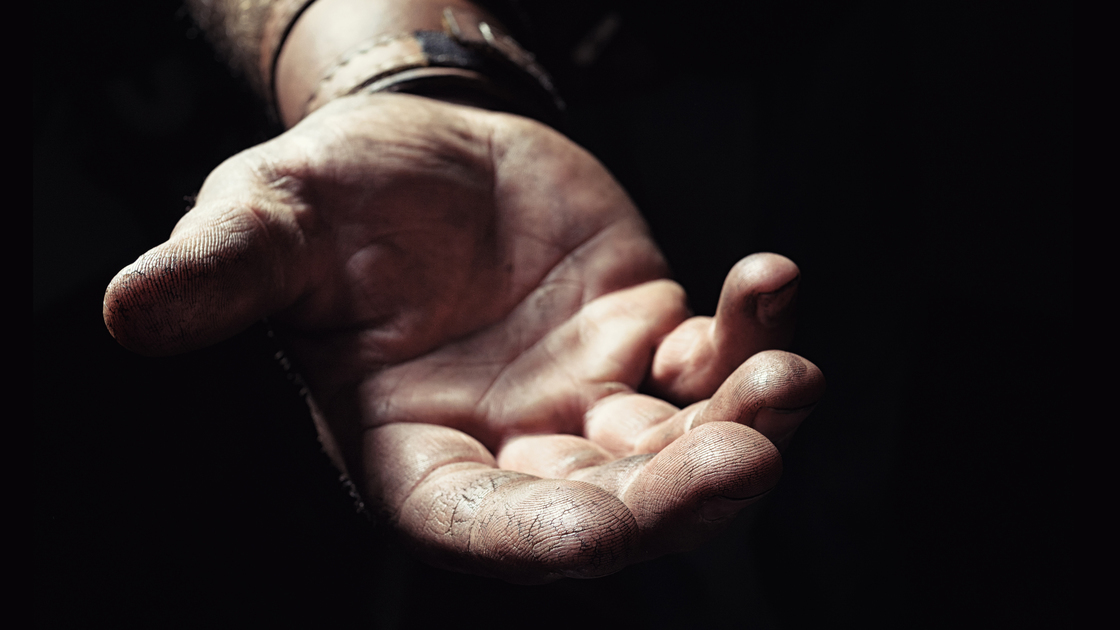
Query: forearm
x=248, y=33
x=300, y=55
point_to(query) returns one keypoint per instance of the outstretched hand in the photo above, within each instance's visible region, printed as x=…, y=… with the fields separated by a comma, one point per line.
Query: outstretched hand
x=494, y=353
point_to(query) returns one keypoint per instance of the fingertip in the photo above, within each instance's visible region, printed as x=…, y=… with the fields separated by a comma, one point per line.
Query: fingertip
x=761, y=287
x=781, y=420
x=207, y=284
x=689, y=492
x=725, y=459
x=773, y=392
x=752, y=464
x=441, y=491
x=763, y=272
x=132, y=306
x=756, y=312
x=684, y=368
x=549, y=528
x=398, y=458
x=800, y=383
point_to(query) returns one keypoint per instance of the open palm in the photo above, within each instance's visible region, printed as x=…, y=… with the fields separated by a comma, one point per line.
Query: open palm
x=495, y=355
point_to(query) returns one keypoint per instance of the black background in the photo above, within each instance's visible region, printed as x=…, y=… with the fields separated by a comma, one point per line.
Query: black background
x=911, y=159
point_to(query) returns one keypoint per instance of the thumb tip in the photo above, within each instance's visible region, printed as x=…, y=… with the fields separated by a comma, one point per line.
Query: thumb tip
x=763, y=288
x=765, y=272
x=135, y=311
x=219, y=273
x=170, y=302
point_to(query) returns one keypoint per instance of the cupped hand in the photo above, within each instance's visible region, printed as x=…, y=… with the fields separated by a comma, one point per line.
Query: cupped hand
x=493, y=351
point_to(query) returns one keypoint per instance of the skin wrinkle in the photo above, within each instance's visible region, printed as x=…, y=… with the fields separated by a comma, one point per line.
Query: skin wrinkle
x=578, y=458
x=583, y=323
x=438, y=504
x=754, y=389
x=796, y=366
x=434, y=509
x=383, y=401
x=284, y=175
x=554, y=357
x=279, y=275
x=463, y=498
x=617, y=432
x=483, y=408
x=543, y=241
x=782, y=288
x=535, y=525
x=547, y=284
x=470, y=536
x=562, y=539
x=289, y=189
x=574, y=463
x=691, y=418
x=492, y=162
x=407, y=145
x=430, y=474
x=576, y=253
x=479, y=523
x=638, y=470
x=569, y=534
x=581, y=252
x=792, y=410
x=628, y=310
x=567, y=258
x=398, y=318
x=156, y=324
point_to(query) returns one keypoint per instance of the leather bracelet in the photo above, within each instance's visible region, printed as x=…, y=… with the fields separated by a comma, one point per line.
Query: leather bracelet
x=469, y=60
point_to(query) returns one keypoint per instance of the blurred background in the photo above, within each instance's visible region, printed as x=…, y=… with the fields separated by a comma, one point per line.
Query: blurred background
x=912, y=159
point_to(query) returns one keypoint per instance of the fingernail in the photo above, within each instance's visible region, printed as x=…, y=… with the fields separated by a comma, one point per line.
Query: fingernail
x=775, y=307
x=778, y=425
x=719, y=508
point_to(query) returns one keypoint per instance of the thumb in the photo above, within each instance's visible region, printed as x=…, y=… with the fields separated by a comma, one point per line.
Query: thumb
x=223, y=269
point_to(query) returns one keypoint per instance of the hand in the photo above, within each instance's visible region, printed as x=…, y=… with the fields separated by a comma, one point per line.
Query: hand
x=484, y=323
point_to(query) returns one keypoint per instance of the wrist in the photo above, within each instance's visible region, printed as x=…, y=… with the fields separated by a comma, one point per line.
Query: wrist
x=445, y=49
